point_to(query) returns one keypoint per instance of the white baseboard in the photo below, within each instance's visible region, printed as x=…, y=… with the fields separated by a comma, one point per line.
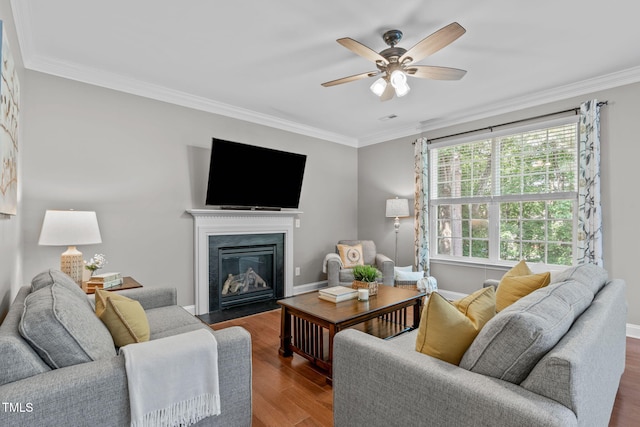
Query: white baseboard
x=309, y=287
x=191, y=309
x=633, y=331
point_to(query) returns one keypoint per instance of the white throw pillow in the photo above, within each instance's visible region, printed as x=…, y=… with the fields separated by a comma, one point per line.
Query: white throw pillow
x=409, y=275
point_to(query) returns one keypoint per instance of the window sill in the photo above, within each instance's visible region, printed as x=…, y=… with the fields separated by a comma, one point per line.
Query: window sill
x=497, y=265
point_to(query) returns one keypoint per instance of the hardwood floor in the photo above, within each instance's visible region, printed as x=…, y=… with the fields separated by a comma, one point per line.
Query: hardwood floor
x=626, y=409
x=288, y=391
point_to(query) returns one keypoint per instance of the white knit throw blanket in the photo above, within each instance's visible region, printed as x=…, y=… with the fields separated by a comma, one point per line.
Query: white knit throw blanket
x=173, y=381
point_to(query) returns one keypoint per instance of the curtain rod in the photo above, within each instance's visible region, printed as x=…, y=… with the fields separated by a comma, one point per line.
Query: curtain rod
x=490, y=128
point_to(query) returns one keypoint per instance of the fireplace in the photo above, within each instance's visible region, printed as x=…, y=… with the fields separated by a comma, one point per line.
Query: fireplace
x=224, y=225
x=245, y=269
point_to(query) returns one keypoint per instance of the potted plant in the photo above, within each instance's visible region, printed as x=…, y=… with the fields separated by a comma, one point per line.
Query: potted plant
x=365, y=276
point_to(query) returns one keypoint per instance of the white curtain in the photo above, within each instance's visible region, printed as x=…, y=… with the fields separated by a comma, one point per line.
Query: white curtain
x=589, y=245
x=421, y=205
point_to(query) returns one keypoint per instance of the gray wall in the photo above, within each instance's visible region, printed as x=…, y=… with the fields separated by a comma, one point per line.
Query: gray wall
x=386, y=170
x=10, y=236
x=141, y=163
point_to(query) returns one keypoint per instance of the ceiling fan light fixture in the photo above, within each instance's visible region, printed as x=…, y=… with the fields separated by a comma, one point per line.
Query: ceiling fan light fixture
x=379, y=86
x=399, y=82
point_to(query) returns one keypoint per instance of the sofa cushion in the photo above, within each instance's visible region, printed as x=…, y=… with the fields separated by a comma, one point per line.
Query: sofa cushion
x=125, y=318
x=511, y=343
x=351, y=255
x=51, y=276
x=590, y=275
x=19, y=360
x=448, y=328
x=518, y=282
x=63, y=331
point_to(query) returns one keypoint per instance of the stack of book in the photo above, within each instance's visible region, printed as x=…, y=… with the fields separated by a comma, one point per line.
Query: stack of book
x=337, y=293
x=104, y=281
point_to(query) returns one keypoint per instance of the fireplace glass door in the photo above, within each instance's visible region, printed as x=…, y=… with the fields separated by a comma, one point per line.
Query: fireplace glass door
x=246, y=274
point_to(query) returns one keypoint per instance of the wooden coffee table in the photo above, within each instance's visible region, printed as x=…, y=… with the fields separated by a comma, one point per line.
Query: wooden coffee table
x=309, y=324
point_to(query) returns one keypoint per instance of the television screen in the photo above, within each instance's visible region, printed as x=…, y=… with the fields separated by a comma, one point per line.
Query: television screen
x=247, y=176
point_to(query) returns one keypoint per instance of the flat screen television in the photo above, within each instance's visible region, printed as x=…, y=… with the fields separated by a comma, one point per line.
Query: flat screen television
x=243, y=176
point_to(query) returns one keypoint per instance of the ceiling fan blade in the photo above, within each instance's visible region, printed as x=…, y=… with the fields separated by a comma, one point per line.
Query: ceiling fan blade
x=434, y=42
x=388, y=93
x=362, y=50
x=351, y=78
x=435, y=73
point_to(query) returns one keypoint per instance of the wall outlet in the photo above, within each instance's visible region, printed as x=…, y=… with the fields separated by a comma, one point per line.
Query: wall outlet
x=297, y=222
x=297, y=271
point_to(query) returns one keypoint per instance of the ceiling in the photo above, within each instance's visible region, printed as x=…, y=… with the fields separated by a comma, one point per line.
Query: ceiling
x=264, y=61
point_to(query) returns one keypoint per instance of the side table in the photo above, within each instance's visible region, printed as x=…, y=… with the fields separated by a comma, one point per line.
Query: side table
x=128, y=282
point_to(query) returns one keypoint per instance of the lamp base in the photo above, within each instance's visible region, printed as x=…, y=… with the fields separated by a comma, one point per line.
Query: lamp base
x=72, y=264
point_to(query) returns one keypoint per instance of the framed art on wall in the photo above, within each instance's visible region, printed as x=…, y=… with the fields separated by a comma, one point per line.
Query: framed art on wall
x=9, y=111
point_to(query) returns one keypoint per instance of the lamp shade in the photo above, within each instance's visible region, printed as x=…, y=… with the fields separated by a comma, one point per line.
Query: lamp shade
x=69, y=228
x=397, y=208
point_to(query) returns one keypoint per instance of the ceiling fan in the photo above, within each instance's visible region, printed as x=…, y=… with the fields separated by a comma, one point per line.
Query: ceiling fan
x=395, y=63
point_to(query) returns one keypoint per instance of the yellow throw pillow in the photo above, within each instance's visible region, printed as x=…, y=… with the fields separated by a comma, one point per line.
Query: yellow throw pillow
x=351, y=255
x=517, y=283
x=125, y=318
x=447, y=329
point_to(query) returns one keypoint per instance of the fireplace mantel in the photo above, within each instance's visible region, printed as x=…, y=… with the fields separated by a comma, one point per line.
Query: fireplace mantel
x=211, y=222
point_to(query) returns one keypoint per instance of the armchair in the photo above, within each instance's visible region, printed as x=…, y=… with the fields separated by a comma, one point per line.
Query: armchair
x=338, y=274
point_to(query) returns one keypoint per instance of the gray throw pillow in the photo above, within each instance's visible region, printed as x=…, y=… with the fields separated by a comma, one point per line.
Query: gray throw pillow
x=49, y=277
x=512, y=343
x=18, y=358
x=63, y=331
x=590, y=275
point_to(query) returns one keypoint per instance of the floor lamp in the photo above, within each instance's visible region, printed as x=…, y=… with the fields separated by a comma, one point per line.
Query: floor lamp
x=397, y=208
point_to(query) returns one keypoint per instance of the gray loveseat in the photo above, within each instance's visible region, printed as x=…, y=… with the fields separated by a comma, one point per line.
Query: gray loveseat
x=95, y=393
x=581, y=317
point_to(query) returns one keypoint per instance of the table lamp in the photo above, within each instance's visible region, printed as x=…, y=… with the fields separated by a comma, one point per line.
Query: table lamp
x=70, y=228
x=397, y=208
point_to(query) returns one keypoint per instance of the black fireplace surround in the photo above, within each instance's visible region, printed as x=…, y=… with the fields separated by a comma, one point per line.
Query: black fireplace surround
x=245, y=269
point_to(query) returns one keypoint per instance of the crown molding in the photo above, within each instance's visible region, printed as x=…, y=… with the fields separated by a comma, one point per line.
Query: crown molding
x=160, y=93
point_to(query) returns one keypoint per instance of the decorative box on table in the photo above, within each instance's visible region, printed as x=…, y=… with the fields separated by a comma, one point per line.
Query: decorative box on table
x=372, y=286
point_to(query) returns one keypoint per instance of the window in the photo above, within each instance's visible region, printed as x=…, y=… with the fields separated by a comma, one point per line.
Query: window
x=508, y=197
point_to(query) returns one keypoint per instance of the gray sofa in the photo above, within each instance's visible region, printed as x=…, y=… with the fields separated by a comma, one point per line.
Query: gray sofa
x=574, y=382
x=95, y=393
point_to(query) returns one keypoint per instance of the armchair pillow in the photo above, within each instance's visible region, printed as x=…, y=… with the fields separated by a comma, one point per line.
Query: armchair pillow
x=351, y=255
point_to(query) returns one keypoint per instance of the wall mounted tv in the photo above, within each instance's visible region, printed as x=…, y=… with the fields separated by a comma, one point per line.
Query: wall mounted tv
x=243, y=176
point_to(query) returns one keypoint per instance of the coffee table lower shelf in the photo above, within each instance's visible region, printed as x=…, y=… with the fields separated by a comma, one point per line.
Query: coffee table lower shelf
x=306, y=331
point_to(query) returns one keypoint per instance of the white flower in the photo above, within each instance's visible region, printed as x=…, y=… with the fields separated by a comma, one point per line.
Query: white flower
x=98, y=261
